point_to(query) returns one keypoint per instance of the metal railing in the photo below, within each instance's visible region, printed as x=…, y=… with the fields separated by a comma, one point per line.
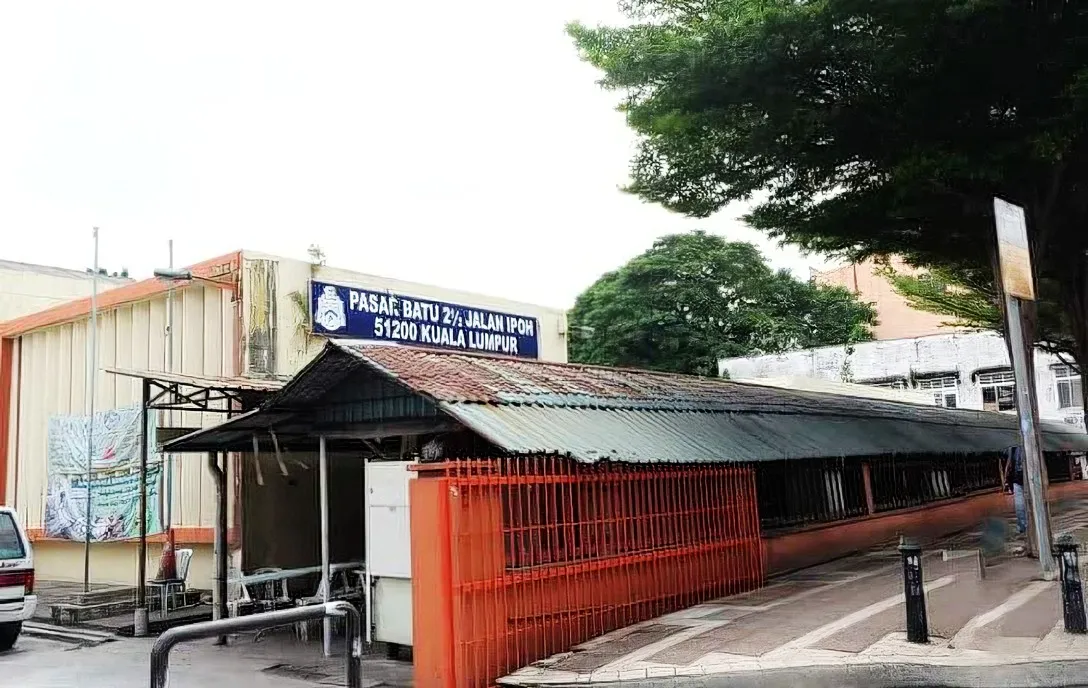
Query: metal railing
x=160, y=652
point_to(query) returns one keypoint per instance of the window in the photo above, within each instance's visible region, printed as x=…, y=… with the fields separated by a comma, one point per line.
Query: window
x=945, y=390
x=11, y=545
x=888, y=384
x=998, y=391
x=1069, y=387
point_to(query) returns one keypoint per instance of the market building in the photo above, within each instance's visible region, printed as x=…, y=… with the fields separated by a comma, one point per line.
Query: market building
x=214, y=339
x=551, y=503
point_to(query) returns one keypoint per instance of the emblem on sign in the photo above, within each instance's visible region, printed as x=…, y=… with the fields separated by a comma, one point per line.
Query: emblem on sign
x=330, y=310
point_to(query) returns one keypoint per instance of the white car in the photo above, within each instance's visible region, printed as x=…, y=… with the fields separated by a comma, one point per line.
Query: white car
x=17, y=598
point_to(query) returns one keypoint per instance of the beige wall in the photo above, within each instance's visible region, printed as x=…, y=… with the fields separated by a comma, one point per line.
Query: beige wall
x=28, y=288
x=897, y=320
x=50, y=379
x=293, y=347
x=114, y=562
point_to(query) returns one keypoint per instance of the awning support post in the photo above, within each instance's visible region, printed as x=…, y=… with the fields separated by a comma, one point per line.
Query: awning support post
x=139, y=621
x=219, y=593
x=326, y=580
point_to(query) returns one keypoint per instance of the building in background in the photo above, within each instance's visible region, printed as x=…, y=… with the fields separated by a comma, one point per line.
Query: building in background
x=26, y=288
x=917, y=352
x=960, y=370
x=242, y=315
x=896, y=318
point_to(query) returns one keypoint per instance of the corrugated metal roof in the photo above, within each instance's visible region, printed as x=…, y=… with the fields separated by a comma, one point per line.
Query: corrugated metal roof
x=455, y=377
x=589, y=434
x=595, y=413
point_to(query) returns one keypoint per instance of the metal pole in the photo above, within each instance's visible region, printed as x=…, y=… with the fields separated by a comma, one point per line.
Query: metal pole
x=1032, y=452
x=169, y=480
x=914, y=591
x=160, y=651
x=326, y=580
x=219, y=592
x=92, y=366
x=139, y=621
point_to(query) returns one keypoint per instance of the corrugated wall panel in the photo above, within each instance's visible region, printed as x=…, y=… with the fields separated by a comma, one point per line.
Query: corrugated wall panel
x=51, y=370
x=34, y=415
x=190, y=475
x=13, y=424
x=125, y=387
x=77, y=371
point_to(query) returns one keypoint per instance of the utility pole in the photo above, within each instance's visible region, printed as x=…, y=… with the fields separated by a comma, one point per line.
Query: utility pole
x=1017, y=280
x=92, y=373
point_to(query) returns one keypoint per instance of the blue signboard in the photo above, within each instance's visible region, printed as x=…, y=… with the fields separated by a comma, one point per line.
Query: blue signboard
x=339, y=311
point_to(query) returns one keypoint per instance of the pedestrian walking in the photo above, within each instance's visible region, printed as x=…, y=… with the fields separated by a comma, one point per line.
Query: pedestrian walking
x=1014, y=480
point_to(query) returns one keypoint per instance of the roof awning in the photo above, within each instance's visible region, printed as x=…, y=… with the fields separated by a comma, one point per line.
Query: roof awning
x=209, y=394
x=593, y=414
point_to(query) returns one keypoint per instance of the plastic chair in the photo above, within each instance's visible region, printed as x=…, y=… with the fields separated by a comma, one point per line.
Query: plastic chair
x=169, y=587
x=237, y=593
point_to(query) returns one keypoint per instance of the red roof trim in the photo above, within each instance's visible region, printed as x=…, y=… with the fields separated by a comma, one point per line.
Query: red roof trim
x=215, y=268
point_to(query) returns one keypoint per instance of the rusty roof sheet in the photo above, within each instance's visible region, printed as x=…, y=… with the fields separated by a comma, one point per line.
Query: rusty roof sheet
x=594, y=413
x=459, y=378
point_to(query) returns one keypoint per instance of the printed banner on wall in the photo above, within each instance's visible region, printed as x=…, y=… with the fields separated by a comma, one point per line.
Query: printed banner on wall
x=339, y=311
x=115, y=477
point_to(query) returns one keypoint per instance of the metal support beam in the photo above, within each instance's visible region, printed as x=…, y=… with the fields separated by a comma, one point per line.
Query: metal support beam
x=139, y=621
x=219, y=592
x=326, y=579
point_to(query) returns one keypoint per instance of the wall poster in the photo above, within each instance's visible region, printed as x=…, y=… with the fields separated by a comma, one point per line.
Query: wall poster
x=115, y=477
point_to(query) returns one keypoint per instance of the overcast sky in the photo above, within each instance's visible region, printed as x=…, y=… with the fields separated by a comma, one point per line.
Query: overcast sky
x=455, y=143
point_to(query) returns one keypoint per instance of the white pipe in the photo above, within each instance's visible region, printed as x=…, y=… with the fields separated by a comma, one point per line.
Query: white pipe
x=326, y=581
x=367, y=582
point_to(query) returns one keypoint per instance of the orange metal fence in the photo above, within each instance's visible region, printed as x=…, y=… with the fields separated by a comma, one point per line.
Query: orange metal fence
x=516, y=559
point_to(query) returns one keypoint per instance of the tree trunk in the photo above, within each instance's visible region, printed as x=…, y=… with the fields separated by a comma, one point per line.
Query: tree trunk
x=1075, y=299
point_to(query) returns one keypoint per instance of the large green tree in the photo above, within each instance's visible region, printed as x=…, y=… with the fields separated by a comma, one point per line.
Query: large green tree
x=868, y=127
x=694, y=298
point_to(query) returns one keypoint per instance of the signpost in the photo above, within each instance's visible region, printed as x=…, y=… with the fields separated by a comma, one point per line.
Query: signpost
x=1018, y=284
x=342, y=311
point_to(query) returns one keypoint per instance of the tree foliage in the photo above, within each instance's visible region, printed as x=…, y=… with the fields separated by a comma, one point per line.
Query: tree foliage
x=868, y=127
x=694, y=298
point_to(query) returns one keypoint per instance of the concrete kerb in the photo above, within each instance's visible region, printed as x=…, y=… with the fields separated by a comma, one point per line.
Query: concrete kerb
x=1044, y=674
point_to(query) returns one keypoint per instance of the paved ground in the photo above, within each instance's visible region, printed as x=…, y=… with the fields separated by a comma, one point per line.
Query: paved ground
x=275, y=662
x=848, y=613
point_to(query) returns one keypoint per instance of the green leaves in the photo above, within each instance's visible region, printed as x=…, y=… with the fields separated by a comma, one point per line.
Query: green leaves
x=868, y=127
x=694, y=298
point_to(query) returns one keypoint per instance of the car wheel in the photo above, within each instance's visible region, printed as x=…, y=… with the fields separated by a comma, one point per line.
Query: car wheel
x=9, y=632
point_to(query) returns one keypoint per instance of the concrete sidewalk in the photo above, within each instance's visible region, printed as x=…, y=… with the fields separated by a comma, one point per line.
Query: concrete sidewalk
x=843, y=624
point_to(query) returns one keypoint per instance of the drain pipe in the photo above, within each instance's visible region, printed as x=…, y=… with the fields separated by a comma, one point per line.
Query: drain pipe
x=219, y=594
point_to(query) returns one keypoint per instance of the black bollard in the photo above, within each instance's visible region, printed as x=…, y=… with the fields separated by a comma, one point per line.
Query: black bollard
x=1072, y=592
x=913, y=590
